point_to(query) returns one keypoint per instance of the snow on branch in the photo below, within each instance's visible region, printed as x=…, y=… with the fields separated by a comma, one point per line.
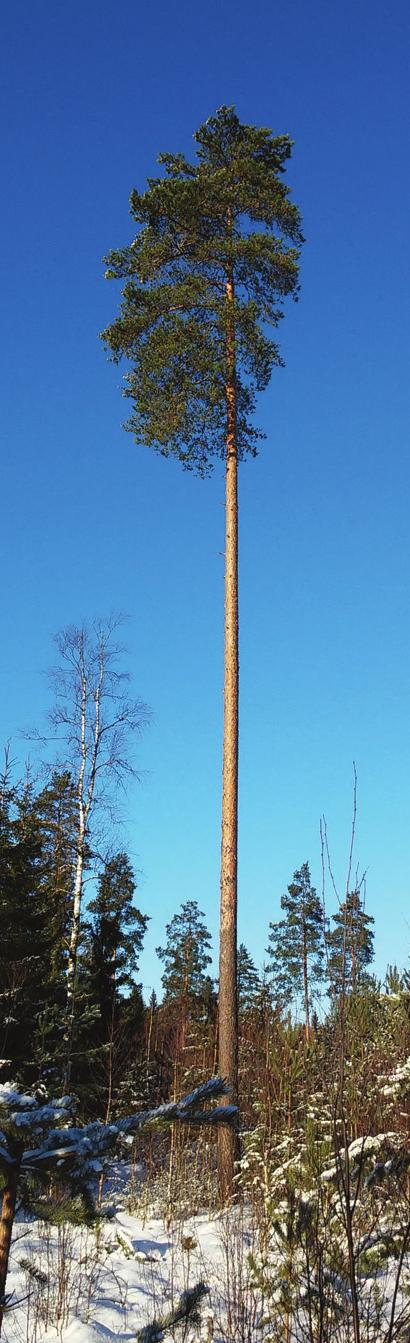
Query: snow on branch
x=81, y=1151
x=185, y=1312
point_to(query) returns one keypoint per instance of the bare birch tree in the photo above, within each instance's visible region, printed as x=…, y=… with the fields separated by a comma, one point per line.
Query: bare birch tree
x=93, y=717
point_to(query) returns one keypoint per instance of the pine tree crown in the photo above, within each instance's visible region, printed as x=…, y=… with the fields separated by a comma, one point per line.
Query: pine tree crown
x=227, y=216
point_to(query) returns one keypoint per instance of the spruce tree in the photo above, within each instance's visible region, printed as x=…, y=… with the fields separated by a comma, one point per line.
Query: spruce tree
x=56, y=809
x=56, y=812
x=350, y=945
x=249, y=982
x=116, y=934
x=296, y=944
x=25, y=938
x=114, y=942
x=215, y=255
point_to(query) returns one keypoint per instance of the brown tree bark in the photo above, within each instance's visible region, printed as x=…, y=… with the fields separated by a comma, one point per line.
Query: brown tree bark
x=306, y=985
x=8, y=1208
x=228, y=1006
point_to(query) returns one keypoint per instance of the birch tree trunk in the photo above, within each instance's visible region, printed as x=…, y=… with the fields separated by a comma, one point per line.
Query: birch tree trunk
x=78, y=890
x=73, y=949
x=92, y=717
x=228, y=1005
x=85, y=791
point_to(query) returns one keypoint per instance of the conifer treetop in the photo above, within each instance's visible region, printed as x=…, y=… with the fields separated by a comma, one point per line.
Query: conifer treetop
x=227, y=215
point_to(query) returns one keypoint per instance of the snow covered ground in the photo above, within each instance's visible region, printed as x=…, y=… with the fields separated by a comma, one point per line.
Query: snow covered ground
x=79, y=1285
x=90, y=1285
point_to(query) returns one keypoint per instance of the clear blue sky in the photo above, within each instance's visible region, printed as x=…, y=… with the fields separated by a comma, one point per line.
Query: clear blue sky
x=90, y=94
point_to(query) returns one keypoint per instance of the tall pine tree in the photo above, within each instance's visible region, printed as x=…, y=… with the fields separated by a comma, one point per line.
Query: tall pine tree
x=215, y=255
x=350, y=945
x=249, y=981
x=186, y=956
x=296, y=944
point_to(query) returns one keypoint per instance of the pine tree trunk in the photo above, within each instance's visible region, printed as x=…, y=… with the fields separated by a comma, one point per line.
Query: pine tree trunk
x=306, y=985
x=8, y=1209
x=151, y=1022
x=228, y=1008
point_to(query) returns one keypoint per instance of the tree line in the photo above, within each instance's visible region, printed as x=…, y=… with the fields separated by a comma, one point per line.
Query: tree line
x=71, y=1001
x=323, y=1047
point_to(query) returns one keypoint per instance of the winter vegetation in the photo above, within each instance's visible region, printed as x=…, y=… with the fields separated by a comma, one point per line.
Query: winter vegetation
x=229, y=1159
x=112, y=1213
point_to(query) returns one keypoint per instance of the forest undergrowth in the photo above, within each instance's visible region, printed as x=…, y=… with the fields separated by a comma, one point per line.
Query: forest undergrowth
x=113, y=1196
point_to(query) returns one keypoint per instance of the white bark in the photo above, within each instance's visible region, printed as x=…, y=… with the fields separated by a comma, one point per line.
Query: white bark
x=97, y=751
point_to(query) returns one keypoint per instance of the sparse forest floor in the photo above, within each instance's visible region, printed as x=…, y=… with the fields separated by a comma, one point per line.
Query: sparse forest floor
x=77, y=1283
x=271, y=1272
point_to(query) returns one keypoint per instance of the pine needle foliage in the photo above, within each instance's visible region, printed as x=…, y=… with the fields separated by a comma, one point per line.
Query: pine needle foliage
x=227, y=215
x=249, y=981
x=350, y=945
x=186, y=1312
x=186, y=954
x=296, y=943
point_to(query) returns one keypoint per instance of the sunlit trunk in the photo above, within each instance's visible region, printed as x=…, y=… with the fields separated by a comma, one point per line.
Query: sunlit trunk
x=306, y=984
x=8, y=1208
x=228, y=1008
